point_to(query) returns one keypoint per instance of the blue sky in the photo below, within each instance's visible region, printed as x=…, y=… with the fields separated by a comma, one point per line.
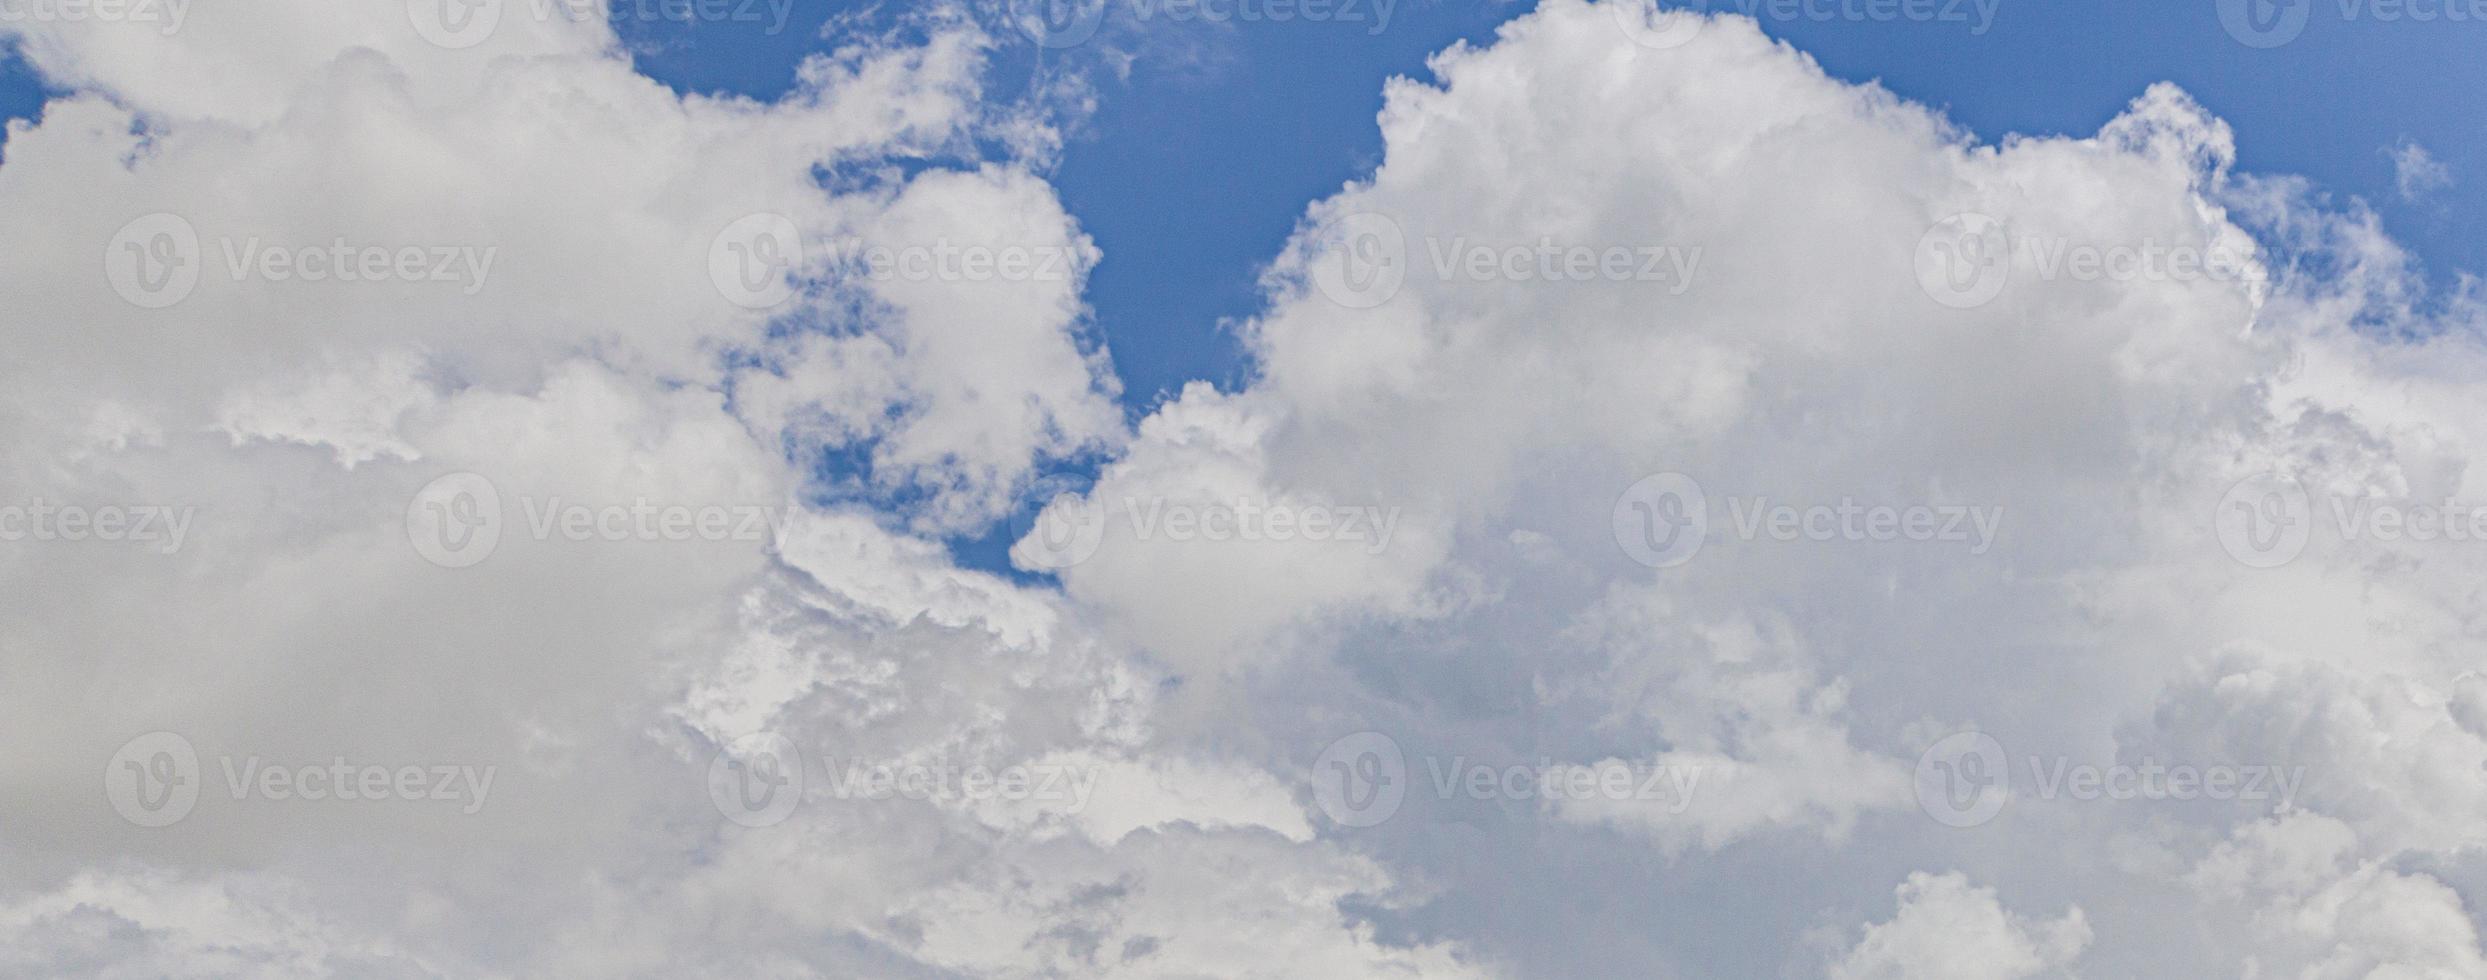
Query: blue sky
x=1978, y=575
x=1198, y=161
x=1184, y=212
x=1196, y=165
x=1196, y=169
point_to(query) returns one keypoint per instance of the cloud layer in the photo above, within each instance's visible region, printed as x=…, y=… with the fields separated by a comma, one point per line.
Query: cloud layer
x=2055, y=567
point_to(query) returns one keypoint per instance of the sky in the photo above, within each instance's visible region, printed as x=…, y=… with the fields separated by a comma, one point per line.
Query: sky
x=1583, y=488
x=1192, y=171
x=1194, y=166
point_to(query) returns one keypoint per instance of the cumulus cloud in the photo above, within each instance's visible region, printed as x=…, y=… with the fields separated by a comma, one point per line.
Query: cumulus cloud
x=1946, y=928
x=564, y=505
x=1787, y=336
x=2317, y=909
x=1676, y=413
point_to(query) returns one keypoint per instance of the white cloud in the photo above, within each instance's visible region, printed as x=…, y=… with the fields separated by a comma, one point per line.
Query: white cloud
x=2102, y=414
x=1771, y=335
x=593, y=668
x=2317, y=911
x=1947, y=929
x=152, y=924
x=2415, y=171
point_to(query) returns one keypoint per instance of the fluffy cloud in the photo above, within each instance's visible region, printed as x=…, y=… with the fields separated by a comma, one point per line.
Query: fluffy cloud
x=2316, y=910
x=806, y=740
x=1445, y=337
x=583, y=369
x=1946, y=928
